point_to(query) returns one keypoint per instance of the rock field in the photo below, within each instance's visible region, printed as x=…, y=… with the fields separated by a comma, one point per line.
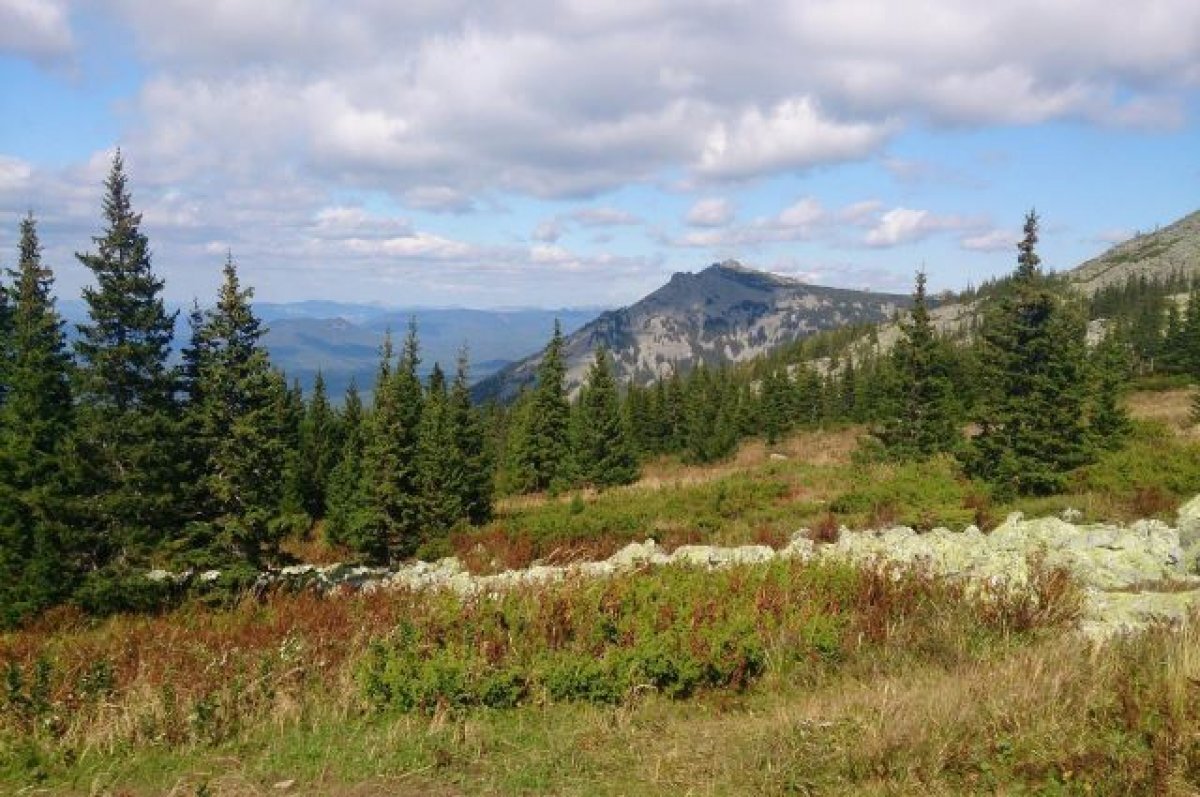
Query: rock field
x=1132, y=575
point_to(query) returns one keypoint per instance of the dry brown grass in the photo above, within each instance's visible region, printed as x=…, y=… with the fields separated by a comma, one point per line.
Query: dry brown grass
x=817, y=448
x=1172, y=407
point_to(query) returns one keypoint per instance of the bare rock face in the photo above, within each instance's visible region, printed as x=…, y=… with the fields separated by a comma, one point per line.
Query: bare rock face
x=1174, y=249
x=725, y=313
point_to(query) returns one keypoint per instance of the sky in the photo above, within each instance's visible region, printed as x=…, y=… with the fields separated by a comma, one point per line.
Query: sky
x=577, y=153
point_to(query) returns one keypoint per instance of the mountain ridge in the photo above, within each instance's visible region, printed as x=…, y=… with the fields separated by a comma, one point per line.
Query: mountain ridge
x=725, y=312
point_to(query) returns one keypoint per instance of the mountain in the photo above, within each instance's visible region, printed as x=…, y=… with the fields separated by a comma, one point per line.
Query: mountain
x=726, y=312
x=1159, y=254
x=342, y=339
x=343, y=348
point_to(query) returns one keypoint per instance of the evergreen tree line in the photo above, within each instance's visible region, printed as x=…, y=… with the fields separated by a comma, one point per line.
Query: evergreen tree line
x=1038, y=401
x=115, y=459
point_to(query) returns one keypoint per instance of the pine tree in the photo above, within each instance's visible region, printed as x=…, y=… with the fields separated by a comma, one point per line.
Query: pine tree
x=474, y=485
x=344, y=498
x=603, y=454
x=242, y=428
x=775, y=396
x=1032, y=418
x=35, y=418
x=318, y=449
x=391, y=525
x=1108, y=420
x=543, y=453
x=710, y=416
x=923, y=418
x=440, y=464
x=126, y=390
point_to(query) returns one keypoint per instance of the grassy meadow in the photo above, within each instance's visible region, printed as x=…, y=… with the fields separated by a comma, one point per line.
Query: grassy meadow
x=787, y=678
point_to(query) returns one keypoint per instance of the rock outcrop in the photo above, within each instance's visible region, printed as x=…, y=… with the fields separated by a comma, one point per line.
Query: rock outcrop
x=1131, y=575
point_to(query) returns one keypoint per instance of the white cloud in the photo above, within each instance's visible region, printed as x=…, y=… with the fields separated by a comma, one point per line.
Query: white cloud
x=905, y=225
x=259, y=116
x=794, y=135
x=804, y=214
x=439, y=199
x=803, y=220
x=14, y=174
x=37, y=29
x=605, y=217
x=710, y=212
x=548, y=231
x=994, y=240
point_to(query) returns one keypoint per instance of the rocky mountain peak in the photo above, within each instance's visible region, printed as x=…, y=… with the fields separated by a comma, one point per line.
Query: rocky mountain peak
x=727, y=312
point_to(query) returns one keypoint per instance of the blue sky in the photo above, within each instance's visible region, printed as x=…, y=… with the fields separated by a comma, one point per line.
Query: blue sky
x=576, y=153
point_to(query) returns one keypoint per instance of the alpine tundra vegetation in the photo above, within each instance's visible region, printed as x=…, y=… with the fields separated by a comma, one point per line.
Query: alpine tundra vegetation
x=679, y=554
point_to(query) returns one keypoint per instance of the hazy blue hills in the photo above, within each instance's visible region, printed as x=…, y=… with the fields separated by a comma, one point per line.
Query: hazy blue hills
x=342, y=339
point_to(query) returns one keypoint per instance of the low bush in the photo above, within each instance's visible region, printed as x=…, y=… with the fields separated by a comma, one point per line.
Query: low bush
x=679, y=632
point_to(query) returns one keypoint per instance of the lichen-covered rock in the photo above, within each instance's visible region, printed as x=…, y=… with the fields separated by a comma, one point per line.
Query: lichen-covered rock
x=635, y=554
x=713, y=557
x=1133, y=575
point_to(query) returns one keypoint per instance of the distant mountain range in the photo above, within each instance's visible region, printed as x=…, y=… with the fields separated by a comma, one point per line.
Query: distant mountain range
x=726, y=312
x=342, y=339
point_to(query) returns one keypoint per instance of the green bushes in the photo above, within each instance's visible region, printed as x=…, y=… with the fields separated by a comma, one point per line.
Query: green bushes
x=1154, y=458
x=920, y=494
x=677, y=633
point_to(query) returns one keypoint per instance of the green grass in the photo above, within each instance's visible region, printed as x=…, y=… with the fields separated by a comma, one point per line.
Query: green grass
x=1148, y=477
x=780, y=679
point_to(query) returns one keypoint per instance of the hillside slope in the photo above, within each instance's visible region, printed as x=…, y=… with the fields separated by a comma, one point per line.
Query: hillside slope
x=725, y=313
x=1160, y=254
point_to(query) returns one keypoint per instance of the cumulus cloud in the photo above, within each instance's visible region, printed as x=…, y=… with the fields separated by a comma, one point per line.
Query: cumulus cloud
x=994, y=240
x=794, y=135
x=804, y=219
x=261, y=115
x=37, y=29
x=605, y=217
x=904, y=225
x=710, y=212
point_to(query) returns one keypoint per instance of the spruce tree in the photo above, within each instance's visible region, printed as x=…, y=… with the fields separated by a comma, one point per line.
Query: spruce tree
x=391, y=525
x=923, y=418
x=543, y=455
x=604, y=455
x=439, y=462
x=1108, y=420
x=344, y=498
x=35, y=418
x=125, y=389
x=318, y=449
x=242, y=428
x=474, y=484
x=1032, y=417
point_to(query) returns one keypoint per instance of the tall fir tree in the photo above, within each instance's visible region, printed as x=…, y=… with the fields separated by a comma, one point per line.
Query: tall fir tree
x=126, y=430
x=35, y=558
x=543, y=450
x=1032, y=419
x=440, y=466
x=1108, y=420
x=923, y=418
x=343, y=496
x=604, y=454
x=391, y=524
x=468, y=432
x=242, y=429
x=319, y=445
